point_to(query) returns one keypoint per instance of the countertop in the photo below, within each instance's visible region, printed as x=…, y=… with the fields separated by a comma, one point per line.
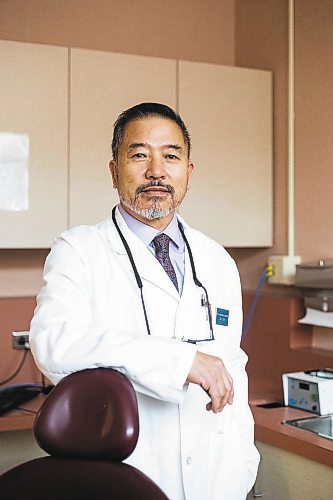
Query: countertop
x=270, y=429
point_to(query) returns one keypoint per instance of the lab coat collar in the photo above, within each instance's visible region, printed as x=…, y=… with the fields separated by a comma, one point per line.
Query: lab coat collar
x=148, y=267
x=147, y=233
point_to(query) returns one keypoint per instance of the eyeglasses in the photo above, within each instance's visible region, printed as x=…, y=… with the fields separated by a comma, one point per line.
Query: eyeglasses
x=204, y=303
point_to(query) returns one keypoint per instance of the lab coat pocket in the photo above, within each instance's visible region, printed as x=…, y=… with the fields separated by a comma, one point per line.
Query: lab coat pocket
x=227, y=469
x=228, y=474
x=216, y=453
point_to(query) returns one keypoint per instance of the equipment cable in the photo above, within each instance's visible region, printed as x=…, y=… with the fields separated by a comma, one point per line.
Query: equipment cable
x=266, y=274
x=18, y=369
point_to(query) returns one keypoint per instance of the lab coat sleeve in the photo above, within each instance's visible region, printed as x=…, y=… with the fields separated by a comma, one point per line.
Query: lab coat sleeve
x=228, y=348
x=64, y=338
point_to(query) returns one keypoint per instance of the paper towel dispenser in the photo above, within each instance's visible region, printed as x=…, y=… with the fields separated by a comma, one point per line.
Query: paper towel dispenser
x=315, y=281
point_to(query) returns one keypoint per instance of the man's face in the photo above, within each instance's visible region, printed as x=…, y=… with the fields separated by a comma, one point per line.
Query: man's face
x=152, y=171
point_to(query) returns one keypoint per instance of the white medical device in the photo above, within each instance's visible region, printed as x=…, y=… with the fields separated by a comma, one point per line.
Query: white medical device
x=309, y=390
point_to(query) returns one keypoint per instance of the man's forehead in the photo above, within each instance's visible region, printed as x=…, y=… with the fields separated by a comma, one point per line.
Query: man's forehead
x=154, y=128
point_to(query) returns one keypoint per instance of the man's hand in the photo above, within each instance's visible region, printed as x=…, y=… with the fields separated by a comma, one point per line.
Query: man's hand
x=210, y=373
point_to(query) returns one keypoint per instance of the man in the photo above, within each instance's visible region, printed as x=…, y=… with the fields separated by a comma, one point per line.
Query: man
x=120, y=295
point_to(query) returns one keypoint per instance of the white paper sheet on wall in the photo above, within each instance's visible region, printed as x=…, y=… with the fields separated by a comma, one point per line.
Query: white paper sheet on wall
x=14, y=175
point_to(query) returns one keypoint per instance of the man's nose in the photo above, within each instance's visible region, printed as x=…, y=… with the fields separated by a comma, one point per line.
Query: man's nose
x=156, y=168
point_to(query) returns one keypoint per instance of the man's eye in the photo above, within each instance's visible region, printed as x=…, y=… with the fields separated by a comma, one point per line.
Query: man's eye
x=139, y=155
x=172, y=157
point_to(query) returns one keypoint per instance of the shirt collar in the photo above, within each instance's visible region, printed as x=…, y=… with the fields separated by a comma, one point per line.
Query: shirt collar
x=147, y=233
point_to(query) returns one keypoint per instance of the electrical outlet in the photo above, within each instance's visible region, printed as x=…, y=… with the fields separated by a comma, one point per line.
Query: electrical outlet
x=20, y=340
x=283, y=269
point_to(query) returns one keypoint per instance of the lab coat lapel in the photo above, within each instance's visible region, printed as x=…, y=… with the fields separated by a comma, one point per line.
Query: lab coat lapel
x=148, y=266
x=190, y=301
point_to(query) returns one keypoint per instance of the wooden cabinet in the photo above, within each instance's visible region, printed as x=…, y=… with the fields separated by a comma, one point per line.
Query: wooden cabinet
x=104, y=84
x=228, y=111
x=285, y=475
x=67, y=100
x=17, y=447
x=33, y=101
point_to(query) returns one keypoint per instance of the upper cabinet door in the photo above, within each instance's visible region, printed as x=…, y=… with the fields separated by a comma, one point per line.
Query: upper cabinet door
x=102, y=86
x=33, y=102
x=228, y=112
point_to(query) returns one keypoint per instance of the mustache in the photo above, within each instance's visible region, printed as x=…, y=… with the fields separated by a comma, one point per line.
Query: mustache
x=166, y=187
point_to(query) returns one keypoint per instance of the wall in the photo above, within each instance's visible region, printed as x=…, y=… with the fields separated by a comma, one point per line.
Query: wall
x=15, y=315
x=261, y=42
x=276, y=343
x=180, y=30
x=21, y=272
x=314, y=128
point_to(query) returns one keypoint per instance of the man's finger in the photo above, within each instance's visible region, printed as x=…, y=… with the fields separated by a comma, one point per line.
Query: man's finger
x=216, y=404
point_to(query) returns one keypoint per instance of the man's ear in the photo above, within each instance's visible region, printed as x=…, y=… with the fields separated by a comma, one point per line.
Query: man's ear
x=190, y=169
x=114, y=173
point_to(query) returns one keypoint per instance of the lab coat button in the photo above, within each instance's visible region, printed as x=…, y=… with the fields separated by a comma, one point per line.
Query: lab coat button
x=189, y=460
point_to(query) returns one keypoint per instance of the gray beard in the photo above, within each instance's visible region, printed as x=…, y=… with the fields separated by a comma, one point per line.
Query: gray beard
x=151, y=213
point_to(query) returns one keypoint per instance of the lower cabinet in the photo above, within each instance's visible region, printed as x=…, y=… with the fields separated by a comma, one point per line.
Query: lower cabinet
x=286, y=476
x=18, y=447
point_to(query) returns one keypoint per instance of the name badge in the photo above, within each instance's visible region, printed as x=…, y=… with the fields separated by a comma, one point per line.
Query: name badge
x=222, y=316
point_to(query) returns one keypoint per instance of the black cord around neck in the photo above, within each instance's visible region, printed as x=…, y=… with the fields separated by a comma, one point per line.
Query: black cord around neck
x=135, y=270
x=197, y=282
x=194, y=274
x=195, y=278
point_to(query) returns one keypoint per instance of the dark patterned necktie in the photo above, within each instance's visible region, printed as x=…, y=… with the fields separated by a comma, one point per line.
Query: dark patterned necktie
x=161, y=243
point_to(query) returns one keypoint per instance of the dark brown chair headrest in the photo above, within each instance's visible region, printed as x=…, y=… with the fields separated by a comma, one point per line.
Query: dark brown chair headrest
x=90, y=414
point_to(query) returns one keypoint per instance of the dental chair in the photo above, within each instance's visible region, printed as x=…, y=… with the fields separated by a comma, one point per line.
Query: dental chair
x=88, y=424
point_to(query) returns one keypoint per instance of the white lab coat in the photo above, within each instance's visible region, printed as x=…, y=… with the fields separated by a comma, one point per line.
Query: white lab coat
x=89, y=315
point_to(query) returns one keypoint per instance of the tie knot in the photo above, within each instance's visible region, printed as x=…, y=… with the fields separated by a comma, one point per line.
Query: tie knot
x=161, y=243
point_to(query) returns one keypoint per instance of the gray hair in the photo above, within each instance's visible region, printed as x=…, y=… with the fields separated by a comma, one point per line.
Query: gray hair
x=146, y=110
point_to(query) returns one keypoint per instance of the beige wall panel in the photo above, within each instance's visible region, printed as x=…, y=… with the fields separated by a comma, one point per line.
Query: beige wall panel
x=33, y=100
x=228, y=112
x=102, y=85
